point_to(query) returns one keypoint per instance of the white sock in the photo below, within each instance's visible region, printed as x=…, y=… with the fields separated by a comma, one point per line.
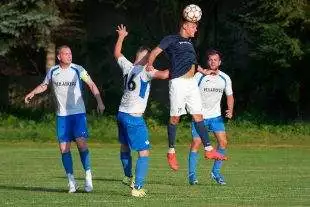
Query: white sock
x=209, y=148
x=171, y=150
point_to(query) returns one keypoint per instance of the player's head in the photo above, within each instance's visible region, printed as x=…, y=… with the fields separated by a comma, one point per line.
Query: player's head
x=214, y=59
x=188, y=29
x=64, y=55
x=142, y=55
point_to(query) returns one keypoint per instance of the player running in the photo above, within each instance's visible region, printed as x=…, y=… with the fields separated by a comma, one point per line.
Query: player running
x=133, y=133
x=211, y=89
x=183, y=91
x=71, y=125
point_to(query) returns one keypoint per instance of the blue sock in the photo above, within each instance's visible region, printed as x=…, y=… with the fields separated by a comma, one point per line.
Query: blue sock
x=192, y=163
x=218, y=163
x=141, y=171
x=67, y=162
x=85, y=159
x=127, y=163
x=172, y=130
x=203, y=133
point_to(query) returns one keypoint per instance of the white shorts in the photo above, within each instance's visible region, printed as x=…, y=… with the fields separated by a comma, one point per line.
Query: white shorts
x=184, y=96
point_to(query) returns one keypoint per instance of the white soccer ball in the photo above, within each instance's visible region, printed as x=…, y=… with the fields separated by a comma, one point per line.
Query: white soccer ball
x=192, y=13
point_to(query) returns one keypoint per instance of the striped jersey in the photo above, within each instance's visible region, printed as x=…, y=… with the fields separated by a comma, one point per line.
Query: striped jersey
x=66, y=84
x=211, y=89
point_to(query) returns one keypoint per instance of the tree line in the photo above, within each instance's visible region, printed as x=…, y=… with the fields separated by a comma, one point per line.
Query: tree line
x=265, y=43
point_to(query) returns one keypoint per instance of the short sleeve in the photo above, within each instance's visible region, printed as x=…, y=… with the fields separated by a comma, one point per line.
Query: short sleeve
x=165, y=42
x=124, y=64
x=84, y=74
x=47, y=78
x=228, y=87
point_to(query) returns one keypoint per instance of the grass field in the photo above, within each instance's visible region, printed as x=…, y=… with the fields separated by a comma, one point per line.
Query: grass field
x=31, y=175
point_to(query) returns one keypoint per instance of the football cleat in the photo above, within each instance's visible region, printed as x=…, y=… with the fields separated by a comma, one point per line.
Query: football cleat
x=193, y=182
x=129, y=181
x=138, y=192
x=214, y=155
x=72, y=184
x=218, y=178
x=172, y=161
x=88, y=182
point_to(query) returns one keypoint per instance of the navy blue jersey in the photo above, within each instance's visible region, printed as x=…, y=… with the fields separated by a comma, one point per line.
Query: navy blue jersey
x=181, y=53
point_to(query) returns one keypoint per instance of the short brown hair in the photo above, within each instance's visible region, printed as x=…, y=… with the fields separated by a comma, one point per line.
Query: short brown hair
x=60, y=48
x=213, y=52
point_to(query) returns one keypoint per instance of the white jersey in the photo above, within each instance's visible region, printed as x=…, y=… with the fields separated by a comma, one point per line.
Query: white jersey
x=136, y=86
x=66, y=84
x=211, y=89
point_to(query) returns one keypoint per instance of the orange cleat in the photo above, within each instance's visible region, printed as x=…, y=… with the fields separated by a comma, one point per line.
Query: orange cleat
x=214, y=155
x=172, y=161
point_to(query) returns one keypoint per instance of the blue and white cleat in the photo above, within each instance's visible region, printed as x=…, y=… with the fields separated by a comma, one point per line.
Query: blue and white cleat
x=218, y=178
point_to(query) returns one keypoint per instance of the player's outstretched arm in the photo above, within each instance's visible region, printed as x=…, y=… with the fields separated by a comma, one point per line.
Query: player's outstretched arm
x=161, y=74
x=122, y=33
x=230, y=106
x=39, y=89
x=94, y=89
x=205, y=71
x=154, y=53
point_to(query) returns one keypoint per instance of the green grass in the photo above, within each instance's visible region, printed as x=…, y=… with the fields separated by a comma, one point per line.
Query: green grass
x=31, y=175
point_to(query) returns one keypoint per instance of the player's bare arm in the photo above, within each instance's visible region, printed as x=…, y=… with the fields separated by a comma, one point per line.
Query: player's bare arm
x=154, y=53
x=94, y=89
x=39, y=89
x=161, y=74
x=230, y=106
x=205, y=71
x=122, y=33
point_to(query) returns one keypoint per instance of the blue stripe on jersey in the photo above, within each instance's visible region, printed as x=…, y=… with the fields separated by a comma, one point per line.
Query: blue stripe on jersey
x=199, y=82
x=143, y=87
x=52, y=71
x=223, y=79
x=78, y=74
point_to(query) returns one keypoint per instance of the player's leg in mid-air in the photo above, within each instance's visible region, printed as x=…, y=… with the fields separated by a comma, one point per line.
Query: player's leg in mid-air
x=219, y=131
x=177, y=108
x=136, y=133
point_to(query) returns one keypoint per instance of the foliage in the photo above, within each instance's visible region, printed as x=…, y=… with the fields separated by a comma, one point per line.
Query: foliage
x=27, y=22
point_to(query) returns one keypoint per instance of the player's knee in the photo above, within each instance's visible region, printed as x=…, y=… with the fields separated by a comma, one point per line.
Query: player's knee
x=144, y=153
x=174, y=120
x=197, y=117
x=81, y=144
x=223, y=143
x=195, y=144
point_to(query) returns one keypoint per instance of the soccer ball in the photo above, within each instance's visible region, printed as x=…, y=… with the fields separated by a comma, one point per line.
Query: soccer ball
x=192, y=13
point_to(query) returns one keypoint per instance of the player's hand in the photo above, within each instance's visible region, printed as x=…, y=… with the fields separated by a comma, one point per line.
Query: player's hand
x=121, y=30
x=149, y=68
x=28, y=97
x=100, y=108
x=229, y=113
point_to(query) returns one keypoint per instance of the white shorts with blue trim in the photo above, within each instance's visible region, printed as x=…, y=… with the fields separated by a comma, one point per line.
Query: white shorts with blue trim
x=184, y=96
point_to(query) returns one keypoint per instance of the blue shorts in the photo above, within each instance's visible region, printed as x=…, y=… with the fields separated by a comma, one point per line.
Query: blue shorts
x=71, y=127
x=214, y=125
x=132, y=131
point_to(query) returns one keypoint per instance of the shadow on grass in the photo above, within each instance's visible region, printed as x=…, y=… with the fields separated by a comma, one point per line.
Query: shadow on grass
x=31, y=188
